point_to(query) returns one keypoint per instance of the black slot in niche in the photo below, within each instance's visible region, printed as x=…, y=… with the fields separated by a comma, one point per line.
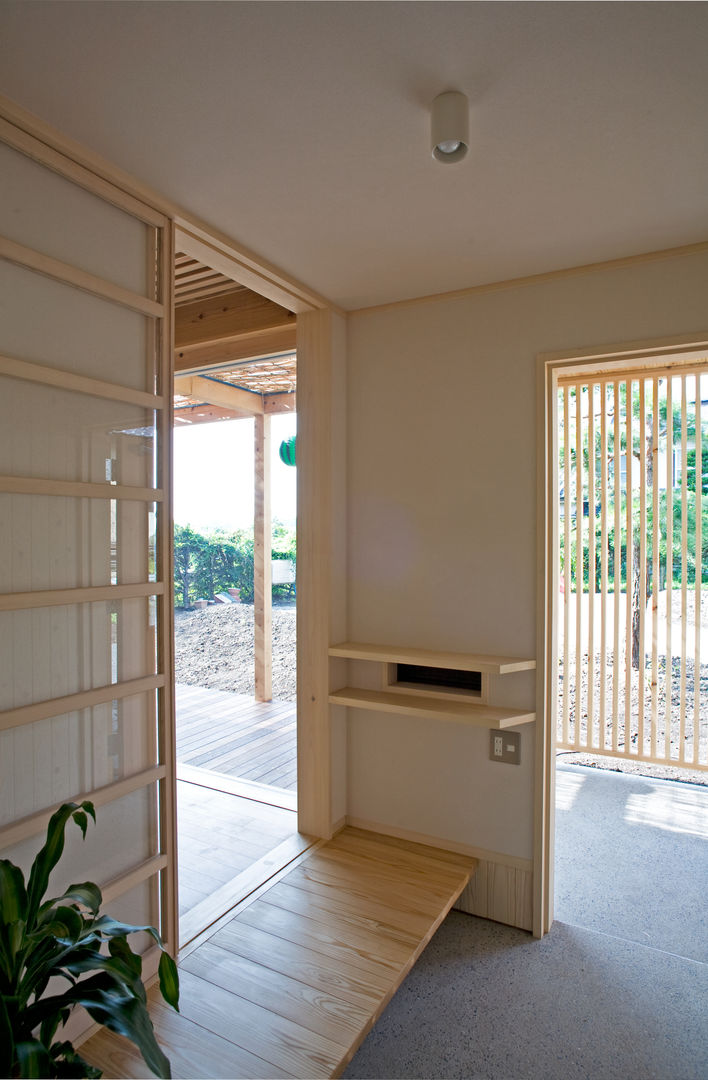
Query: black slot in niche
x=448, y=678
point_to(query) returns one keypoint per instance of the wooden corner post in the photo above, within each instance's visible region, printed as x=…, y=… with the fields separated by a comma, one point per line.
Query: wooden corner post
x=314, y=566
x=262, y=569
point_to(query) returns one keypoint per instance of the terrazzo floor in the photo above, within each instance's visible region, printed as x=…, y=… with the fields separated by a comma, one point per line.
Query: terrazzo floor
x=623, y=998
x=632, y=858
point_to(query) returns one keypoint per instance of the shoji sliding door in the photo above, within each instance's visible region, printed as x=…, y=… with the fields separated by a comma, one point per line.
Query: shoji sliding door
x=85, y=643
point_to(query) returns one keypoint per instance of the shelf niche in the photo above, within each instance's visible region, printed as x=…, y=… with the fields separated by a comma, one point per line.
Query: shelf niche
x=426, y=683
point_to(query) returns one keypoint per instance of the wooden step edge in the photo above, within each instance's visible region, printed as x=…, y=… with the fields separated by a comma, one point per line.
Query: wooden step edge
x=404, y=971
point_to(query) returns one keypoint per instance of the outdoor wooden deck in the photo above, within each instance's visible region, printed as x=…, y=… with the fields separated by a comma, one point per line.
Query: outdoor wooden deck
x=234, y=735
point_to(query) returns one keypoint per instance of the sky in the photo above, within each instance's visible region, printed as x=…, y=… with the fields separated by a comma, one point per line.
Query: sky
x=213, y=474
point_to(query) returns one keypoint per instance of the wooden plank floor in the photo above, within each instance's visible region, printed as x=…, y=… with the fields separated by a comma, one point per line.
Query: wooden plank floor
x=290, y=986
x=237, y=736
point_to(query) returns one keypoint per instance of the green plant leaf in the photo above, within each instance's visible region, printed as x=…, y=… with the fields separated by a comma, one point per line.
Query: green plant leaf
x=13, y=916
x=85, y=893
x=49, y=855
x=123, y=1013
x=40, y=961
x=48, y=1027
x=32, y=1059
x=12, y=940
x=13, y=894
x=7, y=1040
x=169, y=980
x=67, y=1063
x=42, y=939
x=66, y=926
x=81, y=820
x=119, y=947
x=123, y=973
x=110, y=927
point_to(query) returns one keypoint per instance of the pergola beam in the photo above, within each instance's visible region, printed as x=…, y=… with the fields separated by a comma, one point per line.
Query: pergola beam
x=279, y=403
x=244, y=346
x=233, y=326
x=212, y=392
x=227, y=316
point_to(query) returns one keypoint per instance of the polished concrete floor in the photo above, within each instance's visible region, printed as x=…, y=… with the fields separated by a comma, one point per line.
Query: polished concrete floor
x=618, y=990
x=632, y=858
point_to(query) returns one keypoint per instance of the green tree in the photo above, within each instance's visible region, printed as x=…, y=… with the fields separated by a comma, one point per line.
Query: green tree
x=643, y=455
x=188, y=548
x=206, y=564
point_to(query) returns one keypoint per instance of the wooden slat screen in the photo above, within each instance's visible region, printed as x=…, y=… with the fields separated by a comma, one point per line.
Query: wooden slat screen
x=633, y=621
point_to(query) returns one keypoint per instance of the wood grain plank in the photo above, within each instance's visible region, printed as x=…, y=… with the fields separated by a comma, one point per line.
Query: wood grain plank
x=280, y=1041
x=330, y=926
x=494, y=665
x=324, y=872
x=300, y=963
x=367, y=913
x=192, y=1050
x=237, y=736
x=416, y=857
x=455, y=711
x=322, y=938
x=396, y=869
x=335, y=1017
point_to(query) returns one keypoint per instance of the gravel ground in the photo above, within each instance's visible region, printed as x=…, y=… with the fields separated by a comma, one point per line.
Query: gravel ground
x=665, y=772
x=214, y=648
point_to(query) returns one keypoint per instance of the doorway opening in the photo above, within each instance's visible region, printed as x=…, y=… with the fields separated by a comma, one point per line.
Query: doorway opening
x=630, y=454
x=235, y=591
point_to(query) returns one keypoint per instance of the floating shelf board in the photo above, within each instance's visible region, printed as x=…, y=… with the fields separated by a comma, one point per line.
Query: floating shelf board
x=461, y=712
x=392, y=654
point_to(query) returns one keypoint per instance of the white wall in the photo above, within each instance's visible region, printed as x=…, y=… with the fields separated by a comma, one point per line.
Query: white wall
x=442, y=516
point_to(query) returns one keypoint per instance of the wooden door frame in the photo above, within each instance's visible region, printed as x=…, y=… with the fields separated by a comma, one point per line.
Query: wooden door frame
x=315, y=349
x=549, y=365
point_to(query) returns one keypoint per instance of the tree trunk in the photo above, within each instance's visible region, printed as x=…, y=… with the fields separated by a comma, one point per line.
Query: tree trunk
x=637, y=613
x=636, y=599
x=185, y=584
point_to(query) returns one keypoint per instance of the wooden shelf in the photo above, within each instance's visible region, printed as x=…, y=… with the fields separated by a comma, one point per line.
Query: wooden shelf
x=490, y=716
x=392, y=654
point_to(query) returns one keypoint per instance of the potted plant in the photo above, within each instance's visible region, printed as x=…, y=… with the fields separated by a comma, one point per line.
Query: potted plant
x=41, y=939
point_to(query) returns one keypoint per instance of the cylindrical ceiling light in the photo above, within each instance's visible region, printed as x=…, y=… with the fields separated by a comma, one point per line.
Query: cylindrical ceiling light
x=449, y=127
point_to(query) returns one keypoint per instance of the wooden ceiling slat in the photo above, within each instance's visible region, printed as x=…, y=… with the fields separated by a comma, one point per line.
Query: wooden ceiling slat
x=194, y=281
x=196, y=273
x=205, y=293
x=260, y=324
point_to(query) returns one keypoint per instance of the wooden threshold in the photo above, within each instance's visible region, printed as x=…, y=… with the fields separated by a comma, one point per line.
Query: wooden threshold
x=231, y=785
x=291, y=985
x=240, y=886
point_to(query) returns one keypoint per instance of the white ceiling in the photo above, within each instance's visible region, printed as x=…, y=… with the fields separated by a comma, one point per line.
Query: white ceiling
x=301, y=129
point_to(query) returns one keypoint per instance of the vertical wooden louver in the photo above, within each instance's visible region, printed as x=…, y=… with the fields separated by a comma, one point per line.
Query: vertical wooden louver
x=633, y=491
